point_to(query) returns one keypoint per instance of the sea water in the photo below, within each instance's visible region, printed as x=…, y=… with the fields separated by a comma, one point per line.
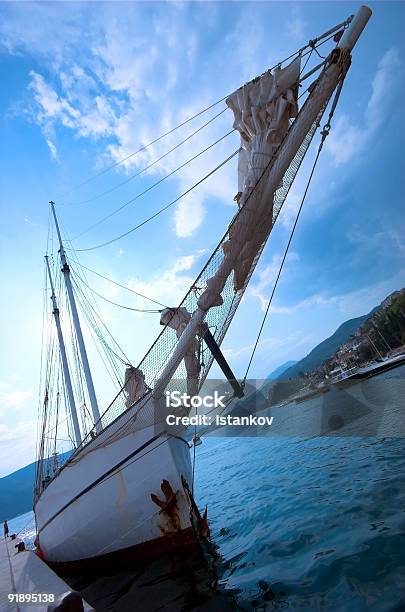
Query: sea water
x=315, y=523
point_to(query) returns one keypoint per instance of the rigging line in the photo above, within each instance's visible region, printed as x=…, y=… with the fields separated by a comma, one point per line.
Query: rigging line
x=324, y=134
x=110, y=355
x=317, y=52
x=99, y=335
x=29, y=522
x=122, y=286
x=51, y=429
x=161, y=210
x=280, y=269
x=319, y=40
x=149, y=144
x=41, y=368
x=107, y=355
x=115, y=303
x=143, y=310
x=155, y=161
x=94, y=310
x=153, y=185
x=59, y=439
x=94, y=307
x=305, y=64
x=98, y=319
x=236, y=216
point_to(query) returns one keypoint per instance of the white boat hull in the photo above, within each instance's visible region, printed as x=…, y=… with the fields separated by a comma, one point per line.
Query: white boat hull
x=91, y=509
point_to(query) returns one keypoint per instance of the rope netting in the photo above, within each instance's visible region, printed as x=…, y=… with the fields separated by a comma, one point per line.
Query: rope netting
x=217, y=319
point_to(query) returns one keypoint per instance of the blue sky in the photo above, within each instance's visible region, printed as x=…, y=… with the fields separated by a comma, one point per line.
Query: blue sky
x=84, y=85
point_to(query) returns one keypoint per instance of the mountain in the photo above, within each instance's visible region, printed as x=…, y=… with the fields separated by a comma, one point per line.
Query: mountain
x=355, y=342
x=16, y=491
x=326, y=348
x=280, y=370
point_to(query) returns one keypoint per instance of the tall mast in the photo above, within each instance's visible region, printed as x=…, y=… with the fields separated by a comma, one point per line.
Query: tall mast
x=78, y=330
x=65, y=365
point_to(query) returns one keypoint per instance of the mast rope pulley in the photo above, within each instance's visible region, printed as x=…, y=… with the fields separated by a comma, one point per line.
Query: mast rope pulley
x=324, y=134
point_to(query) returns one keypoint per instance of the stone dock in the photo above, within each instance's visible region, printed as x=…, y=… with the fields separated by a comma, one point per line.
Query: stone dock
x=27, y=583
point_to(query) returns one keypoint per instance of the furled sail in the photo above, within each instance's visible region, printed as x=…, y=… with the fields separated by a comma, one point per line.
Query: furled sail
x=262, y=111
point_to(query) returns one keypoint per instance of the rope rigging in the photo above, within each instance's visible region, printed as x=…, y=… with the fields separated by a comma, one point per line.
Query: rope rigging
x=91, y=310
x=312, y=46
x=98, y=339
x=161, y=210
x=91, y=315
x=122, y=286
x=51, y=436
x=153, y=163
x=183, y=165
x=116, y=304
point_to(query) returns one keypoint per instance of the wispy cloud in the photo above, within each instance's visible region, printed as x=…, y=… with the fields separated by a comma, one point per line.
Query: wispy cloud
x=126, y=81
x=288, y=341
x=347, y=138
x=170, y=285
x=14, y=399
x=265, y=278
x=122, y=90
x=14, y=402
x=17, y=443
x=296, y=24
x=353, y=303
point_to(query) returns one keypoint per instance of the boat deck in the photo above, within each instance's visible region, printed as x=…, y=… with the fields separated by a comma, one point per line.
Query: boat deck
x=24, y=573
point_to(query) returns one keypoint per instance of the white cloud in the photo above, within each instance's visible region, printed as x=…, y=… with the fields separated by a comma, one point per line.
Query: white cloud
x=90, y=117
x=52, y=149
x=353, y=303
x=267, y=343
x=17, y=445
x=296, y=25
x=15, y=399
x=290, y=207
x=348, y=139
x=170, y=286
x=265, y=277
x=188, y=215
x=317, y=299
x=132, y=76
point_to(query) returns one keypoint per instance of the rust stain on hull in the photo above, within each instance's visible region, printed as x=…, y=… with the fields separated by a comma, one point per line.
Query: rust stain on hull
x=169, y=512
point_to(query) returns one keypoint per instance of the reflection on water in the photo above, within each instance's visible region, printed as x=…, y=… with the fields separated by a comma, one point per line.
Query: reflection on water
x=171, y=583
x=301, y=521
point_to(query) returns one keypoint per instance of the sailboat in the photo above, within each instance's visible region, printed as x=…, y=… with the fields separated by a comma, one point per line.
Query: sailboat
x=125, y=491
